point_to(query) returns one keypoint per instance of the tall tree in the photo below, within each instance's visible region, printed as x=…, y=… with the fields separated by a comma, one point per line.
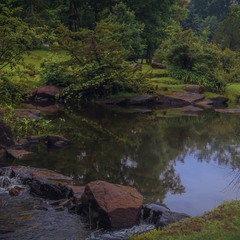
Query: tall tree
x=155, y=16
x=228, y=32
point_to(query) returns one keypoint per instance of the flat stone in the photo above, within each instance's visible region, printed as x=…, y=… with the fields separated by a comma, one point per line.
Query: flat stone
x=188, y=96
x=141, y=100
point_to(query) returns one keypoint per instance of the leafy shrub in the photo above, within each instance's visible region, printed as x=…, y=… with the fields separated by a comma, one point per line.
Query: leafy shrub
x=23, y=127
x=10, y=92
x=208, y=82
x=97, y=63
x=57, y=74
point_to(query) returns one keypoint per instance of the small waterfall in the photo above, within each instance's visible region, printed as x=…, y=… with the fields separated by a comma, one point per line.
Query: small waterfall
x=6, y=183
x=123, y=234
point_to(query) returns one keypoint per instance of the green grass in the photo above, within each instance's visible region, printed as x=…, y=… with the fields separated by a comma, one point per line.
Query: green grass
x=37, y=57
x=29, y=72
x=233, y=92
x=223, y=223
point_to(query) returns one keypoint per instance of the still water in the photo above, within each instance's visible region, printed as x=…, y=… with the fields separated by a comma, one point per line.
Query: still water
x=191, y=164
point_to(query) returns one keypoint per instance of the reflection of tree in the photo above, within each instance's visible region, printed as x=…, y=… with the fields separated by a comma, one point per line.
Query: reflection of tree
x=140, y=150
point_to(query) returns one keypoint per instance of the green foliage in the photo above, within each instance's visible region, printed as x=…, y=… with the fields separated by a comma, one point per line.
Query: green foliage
x=194, y=60
x=97, y=62
x=228, y=34
x=10, y=92
x=131, y=30
x=25, y=127
x=55, y=73
x=15, y=37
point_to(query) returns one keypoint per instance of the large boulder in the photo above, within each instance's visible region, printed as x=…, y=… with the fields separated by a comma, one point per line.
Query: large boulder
x=112, y=205
x=46, y=93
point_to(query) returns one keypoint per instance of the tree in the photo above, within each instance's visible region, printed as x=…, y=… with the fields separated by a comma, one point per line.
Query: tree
x=228, y=32
x=131, y=31
x=155, y=16
x=97, y=62
x=15, y=36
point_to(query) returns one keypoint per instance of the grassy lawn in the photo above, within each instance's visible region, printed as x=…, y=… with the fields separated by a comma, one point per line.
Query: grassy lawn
x=223, y=223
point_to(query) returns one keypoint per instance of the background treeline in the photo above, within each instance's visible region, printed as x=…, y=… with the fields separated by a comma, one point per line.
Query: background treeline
x=198, y=40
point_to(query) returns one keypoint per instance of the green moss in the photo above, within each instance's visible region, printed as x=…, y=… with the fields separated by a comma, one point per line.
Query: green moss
x=223, y=223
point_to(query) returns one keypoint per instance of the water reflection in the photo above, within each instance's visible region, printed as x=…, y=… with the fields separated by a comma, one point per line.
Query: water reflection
x=146, y=150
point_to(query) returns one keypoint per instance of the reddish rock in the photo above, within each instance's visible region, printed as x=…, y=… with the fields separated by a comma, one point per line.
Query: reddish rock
x=113, y=205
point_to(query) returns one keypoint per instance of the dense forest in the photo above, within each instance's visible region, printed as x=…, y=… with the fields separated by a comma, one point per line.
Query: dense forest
x=198, y=41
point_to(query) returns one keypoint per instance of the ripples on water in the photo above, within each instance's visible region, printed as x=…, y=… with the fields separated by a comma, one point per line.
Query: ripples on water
x=19, y=219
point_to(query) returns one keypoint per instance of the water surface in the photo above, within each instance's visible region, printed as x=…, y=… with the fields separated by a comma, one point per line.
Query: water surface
x=189, y=163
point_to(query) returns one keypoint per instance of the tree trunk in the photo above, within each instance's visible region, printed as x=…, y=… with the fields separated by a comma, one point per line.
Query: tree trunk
x=149, y=55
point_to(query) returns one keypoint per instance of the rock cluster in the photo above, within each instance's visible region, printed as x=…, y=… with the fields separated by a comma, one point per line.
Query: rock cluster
x=103, y=204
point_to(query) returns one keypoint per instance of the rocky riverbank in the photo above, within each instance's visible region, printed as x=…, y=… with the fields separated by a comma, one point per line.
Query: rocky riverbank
x=102, y=204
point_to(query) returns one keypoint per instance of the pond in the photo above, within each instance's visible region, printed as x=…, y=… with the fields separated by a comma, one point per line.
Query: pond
x=191, y=164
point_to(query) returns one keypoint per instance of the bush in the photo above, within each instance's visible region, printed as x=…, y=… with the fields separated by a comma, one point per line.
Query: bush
x=57, y=74
x=10, y=92
x=193, y=77
x=194, y=60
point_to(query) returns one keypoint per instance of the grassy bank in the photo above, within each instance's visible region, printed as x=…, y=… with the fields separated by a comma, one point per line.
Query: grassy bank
x=222, y=223
x=29, y=75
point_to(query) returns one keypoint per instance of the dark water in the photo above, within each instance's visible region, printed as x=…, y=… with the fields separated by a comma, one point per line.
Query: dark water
x=192, y=164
